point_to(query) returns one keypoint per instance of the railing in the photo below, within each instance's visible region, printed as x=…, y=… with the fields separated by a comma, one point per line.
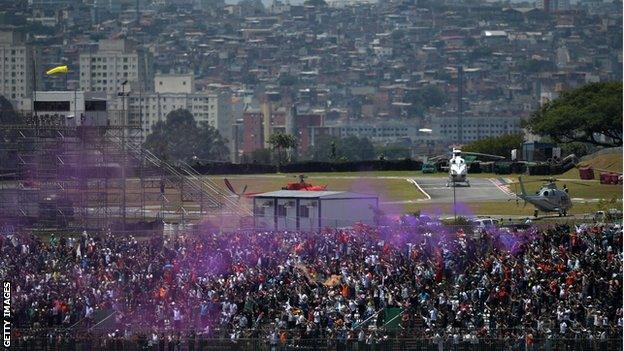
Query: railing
x=186, y=342
x=199, y=185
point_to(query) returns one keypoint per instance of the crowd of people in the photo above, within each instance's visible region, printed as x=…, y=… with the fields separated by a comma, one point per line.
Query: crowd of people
x=561, y=281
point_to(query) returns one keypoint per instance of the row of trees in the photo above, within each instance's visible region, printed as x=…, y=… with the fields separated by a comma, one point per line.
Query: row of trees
x=325, y=149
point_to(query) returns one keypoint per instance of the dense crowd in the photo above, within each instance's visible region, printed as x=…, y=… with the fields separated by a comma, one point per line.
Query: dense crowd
x=557, y=282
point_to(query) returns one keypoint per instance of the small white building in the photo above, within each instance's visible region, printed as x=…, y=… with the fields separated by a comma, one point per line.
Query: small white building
x=312, y=210
x=68, y=108
x=174, y=83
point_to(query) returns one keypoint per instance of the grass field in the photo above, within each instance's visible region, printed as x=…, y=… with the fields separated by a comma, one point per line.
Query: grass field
x=390, y=189
x=493, y=208
x=392, y=186
x=585, y=189
x=609, y=162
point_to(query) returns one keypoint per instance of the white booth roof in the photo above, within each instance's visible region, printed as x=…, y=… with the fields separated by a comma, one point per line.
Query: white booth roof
x=302, y=194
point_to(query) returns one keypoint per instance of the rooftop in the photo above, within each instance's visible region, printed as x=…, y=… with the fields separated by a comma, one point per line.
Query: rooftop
x=315, y=194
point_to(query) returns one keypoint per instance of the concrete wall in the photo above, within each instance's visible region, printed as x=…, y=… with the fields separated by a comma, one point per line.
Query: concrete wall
x=333, y=212
x=345, y=212
x=265, y=220
x=174, y=83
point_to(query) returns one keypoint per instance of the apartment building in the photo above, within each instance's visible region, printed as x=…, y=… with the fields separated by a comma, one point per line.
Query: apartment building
x=475, y=128
x=114, y=62
x=16, y=66
x=174, y=92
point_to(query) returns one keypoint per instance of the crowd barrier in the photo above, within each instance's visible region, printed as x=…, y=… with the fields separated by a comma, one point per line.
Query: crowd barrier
x=396, y=344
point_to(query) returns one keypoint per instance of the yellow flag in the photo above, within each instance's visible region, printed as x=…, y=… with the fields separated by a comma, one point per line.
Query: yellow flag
x=58, y=69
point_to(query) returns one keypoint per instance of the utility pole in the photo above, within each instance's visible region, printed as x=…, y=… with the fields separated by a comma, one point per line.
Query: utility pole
x=454, y=204
x=460, y=104
x=123, y=155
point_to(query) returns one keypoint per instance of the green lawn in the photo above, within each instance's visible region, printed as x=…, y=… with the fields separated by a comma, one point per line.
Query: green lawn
x=609, y=162
x=586, y=189
x=494, y=208
x=392, y=186
x=390, y=189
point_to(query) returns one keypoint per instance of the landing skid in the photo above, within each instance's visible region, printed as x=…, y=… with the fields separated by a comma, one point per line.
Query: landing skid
x=457, y=184
x=557, y=214
x=551, y=216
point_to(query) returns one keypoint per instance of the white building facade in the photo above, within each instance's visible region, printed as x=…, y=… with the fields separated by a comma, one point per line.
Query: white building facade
x=313, y=210
x=70, y=108
x=16, y=67
x=212, y=108
x=115, y=62
x=475, y=128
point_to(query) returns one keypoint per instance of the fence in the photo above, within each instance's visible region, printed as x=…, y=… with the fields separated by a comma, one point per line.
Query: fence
x=198, y=343
x=310, y=166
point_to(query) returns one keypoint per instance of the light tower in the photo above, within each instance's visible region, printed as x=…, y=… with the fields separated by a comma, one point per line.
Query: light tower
x=460, y=105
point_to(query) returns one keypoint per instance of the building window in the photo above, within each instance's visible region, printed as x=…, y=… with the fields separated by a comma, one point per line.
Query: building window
x=304, y=212
x=52, y=106
x=281, y=211
x=259, y=211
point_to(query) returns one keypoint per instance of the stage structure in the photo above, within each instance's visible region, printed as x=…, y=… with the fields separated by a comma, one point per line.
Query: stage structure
x=64, y=174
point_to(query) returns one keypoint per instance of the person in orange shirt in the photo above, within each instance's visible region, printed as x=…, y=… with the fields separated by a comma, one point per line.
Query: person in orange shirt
x=529, y=341
x=344, y=291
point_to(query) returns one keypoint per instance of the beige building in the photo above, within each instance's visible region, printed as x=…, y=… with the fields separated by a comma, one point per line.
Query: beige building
x=114, y=62
x=174, y=92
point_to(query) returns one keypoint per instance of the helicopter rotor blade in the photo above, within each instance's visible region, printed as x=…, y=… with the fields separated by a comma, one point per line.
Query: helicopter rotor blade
x=577, y=183
x=498, y=157
x=528, y=182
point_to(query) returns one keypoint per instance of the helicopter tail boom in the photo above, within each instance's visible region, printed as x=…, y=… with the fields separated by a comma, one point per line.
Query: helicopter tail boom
x=522, y=189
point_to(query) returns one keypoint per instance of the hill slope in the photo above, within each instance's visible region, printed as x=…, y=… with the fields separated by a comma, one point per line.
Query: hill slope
x=608, y=159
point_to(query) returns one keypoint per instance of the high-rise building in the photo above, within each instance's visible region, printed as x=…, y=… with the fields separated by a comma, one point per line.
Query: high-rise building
x=114, y=62
x=175, y=92
x=16, y=66
x=553, y=5
x=475, y=127
x=253, y=127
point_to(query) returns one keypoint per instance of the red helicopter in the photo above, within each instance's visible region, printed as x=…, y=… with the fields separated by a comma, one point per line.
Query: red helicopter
x=301, y=185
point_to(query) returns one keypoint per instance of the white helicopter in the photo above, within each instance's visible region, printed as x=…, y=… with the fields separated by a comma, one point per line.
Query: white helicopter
x=458, y=169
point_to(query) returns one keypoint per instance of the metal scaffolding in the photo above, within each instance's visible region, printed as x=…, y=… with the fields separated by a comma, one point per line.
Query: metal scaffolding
x=75, y=178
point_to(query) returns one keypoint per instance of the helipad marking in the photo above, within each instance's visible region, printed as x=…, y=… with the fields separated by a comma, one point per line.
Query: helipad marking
x=413, y=181
x=500, y=186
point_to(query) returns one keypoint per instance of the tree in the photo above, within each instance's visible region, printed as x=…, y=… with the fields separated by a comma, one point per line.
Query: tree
x=179, y=138
x=501, y=145
x=583, y=115
x=281, y=142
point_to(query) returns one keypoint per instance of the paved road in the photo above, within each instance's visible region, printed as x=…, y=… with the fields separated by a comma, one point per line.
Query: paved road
x=480, y=189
